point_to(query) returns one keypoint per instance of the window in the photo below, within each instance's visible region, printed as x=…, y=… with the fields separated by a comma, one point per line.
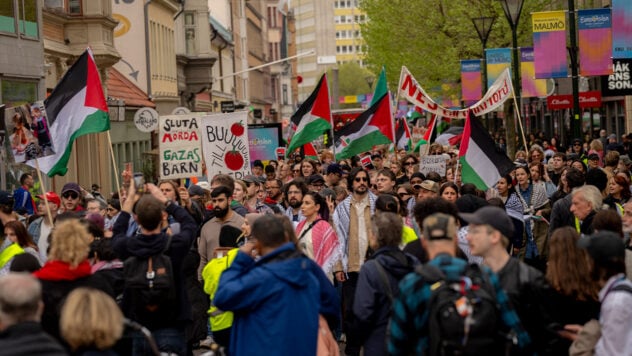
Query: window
x=26, y=15
x=74, y=7
x=7, y=17
x=284, y=94
x=189, y=33
x=17, y=92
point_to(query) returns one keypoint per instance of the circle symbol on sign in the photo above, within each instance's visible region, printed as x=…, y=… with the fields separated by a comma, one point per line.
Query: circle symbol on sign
x=146, y=119
x=123, y=27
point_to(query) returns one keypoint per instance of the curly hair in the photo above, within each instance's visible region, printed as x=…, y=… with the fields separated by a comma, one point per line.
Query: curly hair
x=70, y=242
x=568, y=269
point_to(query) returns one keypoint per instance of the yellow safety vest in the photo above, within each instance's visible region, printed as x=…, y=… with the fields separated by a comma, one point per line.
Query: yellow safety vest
x=211, y=273
x=8, y=253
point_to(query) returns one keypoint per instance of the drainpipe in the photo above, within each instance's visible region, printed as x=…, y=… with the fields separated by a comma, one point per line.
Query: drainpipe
x=175, y=17
x=147, y=48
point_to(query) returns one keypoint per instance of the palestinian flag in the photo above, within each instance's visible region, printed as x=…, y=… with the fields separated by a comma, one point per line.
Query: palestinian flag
x=451, y=137
x=402, y=135
x=429, y=136
x=483, y=165
x=76, y=107
x=414, y=114
x=310, y=152
x=373, y=127
x=312, y=118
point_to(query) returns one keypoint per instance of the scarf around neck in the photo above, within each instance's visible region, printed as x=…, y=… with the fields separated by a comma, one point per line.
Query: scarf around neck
x=61, y=271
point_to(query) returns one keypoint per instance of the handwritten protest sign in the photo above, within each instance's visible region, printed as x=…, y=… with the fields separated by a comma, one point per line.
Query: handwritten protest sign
x=180, y=149
x=433, y=163
x=225, y=144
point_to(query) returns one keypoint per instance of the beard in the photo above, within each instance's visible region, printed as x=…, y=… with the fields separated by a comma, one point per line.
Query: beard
x=295, y=203
x=220, y=213
x=361, y=189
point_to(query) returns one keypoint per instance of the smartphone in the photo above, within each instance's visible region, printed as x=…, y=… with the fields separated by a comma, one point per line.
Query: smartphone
x=139, y=183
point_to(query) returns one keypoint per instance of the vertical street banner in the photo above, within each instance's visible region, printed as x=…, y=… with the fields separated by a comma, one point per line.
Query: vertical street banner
x=471, y=80
x=531, y=87
x=621, y=29
x=179, y=141
x=595, y=42
x=497, y=59
x=549, y=44
x=225, y=144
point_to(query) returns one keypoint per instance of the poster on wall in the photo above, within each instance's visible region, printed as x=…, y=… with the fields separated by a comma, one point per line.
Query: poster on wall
x=225, y=144
x=618, y=83
x=263, y=140
x=27, y=132
x=180, y=148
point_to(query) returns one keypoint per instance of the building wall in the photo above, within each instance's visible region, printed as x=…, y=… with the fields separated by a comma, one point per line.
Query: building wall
x=129, y=40
x=347, y=19
x=163, y=70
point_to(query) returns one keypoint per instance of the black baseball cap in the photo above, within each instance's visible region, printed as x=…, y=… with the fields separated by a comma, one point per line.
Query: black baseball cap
x=603, y=246
x=493, y=216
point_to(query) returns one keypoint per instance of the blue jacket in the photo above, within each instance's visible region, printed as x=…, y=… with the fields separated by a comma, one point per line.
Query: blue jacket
x=276, y=301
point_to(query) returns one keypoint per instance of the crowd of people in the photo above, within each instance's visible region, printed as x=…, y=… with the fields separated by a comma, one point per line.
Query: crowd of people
x=303, y=257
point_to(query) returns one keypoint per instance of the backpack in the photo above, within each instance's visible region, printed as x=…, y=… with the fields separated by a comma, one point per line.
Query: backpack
x=150, y=286
x=463, y=316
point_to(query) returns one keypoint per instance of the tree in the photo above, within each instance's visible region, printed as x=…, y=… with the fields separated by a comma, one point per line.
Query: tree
x=352, y=81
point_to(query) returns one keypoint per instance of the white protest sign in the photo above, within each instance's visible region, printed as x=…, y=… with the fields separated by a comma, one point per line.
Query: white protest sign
x=433, y=163
x=180, y=147
x=225, y=144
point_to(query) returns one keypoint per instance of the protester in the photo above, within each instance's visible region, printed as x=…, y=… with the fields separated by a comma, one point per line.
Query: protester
x=23, y=201
x=586, y=201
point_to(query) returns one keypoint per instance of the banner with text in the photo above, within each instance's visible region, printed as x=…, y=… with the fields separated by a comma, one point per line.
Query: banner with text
x=587, y=99
x=549, y=44
x=497, y=59
x=471, y=80
x=620, y=81
x=180, y=150
x=595, y=42
x=416, y=95
x=225, y=144
x=531, y=87
x=433, y=163
x=621, y=29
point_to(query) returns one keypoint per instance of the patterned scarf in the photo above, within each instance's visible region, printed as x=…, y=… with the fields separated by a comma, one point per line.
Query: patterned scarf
x=325, y=244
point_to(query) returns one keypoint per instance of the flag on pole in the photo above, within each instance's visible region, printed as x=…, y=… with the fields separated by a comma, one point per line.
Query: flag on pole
x=381, y=87
x=310, y=152
x=312, y=118
x=402, y=134
x=429, y=136
x=76, y=107
x=483, y=164
x=450, y=137
x=373, y=127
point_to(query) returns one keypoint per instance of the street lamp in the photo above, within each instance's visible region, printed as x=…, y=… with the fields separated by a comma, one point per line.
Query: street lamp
x=512, y=9
x=483, y=26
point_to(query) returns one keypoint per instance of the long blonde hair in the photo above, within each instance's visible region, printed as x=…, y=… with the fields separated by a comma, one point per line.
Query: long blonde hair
x=70, y=242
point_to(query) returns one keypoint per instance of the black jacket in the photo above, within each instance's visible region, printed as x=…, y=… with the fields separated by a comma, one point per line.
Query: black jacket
x=145, y=246
x=561, y=214
x=28, y=338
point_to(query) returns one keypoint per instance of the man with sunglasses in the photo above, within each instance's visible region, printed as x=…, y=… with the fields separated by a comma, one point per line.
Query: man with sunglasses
x=352, y=220
x=71, y=198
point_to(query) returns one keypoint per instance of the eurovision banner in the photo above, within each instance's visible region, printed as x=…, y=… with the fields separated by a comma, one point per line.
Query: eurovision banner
x=179, y=143
x=549, y=44
x=595, y=42
x=621, y=29
x=225, y=144
x=497, y=60
x=496, y=95
x=471, y=80
x=531, y=87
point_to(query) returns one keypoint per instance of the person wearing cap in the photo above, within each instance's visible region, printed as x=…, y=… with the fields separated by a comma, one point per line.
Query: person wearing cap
x=577, y=147
x=592, y=161
x=488, y=235
x=253, y=188
x=408, y=327
x=257, y=168
x=613, y=145
x=71, y=198
x=607, y=252
x=334, y=174
x=428, y=189
x=315, y=182
x=41, y=227
x=23, y=201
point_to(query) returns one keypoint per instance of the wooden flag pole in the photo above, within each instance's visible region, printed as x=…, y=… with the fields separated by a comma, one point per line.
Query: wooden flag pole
x=116, y=175
x=42, y=186
x=517, y=110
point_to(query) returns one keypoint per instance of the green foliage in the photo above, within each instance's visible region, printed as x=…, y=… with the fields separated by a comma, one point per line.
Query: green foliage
x=352, y=81
x=430, y=37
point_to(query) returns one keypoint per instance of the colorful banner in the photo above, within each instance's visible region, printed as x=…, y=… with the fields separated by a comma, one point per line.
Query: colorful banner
x=471, y=79
x=621, y=29
x=587, y=99
x=179, y=143
x=619, y=83
x=549, y=44
x=263, y=140
x=595, y=42
x=531, y=87
x=494, y=98
x=225, y=144
x=497, y=59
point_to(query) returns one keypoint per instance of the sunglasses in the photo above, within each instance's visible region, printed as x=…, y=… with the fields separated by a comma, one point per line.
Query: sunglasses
x=408, y=164
x=296, y=170
x=71, y=195
x=361, y=179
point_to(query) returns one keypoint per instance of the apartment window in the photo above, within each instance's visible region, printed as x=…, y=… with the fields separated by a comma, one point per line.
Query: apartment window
x=348, y=3
x=7, y=17
x=189, y=33
x=337, y=49
x=337, y=34
x=357, y=49
x=18, y=92
x=74, y=7
x=26, y=14
x=342, y=4
x=285, y=94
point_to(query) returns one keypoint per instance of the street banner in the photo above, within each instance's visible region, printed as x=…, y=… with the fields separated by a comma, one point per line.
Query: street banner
x=225, y=144
x=531, y=87
x=496, y=95
x=179, y=140
x=471, y=79
x=619, y=83
x=595, y=42
x=549, y=44
x=587, y=99
x=621, y=29
x=497, y=60
x=263, y=141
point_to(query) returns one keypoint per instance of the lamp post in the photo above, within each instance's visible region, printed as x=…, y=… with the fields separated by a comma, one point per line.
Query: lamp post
x=483, y=26
x=512, y=9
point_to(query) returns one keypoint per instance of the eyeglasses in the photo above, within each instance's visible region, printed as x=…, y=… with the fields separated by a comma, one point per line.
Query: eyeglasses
x=296, y=170
x=361, y=179
x=576, y=144
x=408, y=164
x=70, y=195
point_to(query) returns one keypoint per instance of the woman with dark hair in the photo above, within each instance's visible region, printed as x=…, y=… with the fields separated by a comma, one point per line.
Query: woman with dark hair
x=534, y=200
x=619, y=193
x=513, y=206
x=16, y=234
x=580, y=165
x=562, y=188
x=573, y=296
x=408, y=166
x=308, y=167
x=449, y=191
x=316, y=237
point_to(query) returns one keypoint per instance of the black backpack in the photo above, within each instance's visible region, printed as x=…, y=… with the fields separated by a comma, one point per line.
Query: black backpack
x=150, y=287
x=463, y=316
